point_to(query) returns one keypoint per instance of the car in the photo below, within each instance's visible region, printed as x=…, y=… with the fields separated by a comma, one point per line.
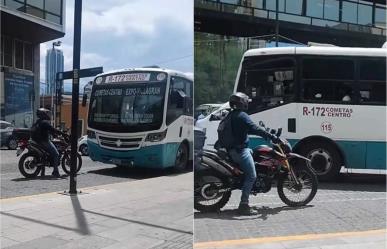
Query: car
x=205, y=109
x=6, y=138
x=82, y=145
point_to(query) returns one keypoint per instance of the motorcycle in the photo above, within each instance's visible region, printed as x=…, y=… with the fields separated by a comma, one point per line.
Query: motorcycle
x=36, y=159
x=216, y=175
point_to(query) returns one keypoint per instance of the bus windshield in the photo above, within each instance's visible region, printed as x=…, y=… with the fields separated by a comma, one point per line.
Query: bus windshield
x=131, y=107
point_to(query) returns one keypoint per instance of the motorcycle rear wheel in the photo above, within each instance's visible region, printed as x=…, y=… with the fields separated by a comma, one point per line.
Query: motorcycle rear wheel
x=66, y=162
x=206, y=196
x=286, y=187
x=28, y=165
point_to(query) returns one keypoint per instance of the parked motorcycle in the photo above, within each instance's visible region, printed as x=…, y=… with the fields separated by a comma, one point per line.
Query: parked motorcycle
x=217, y=175
x=36, y=158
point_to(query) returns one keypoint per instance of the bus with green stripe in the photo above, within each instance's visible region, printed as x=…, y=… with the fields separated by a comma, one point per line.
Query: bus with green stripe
x=141, y=117
x=330, y=101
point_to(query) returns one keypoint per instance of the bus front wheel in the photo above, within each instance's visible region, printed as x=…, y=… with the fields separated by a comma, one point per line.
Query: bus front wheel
x=181, y=157
x=325, y=159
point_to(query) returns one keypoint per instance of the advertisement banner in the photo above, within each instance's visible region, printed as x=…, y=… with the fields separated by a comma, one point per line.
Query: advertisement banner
x=19, y=94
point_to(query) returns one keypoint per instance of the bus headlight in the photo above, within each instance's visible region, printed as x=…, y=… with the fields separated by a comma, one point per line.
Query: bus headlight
x=91, y=134
x=156, y=137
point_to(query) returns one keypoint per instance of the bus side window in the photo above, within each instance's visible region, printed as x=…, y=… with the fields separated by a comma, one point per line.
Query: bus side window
x=175, y=99
x=373, y=81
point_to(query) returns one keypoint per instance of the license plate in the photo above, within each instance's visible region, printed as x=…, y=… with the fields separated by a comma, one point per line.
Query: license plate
x=19, y=151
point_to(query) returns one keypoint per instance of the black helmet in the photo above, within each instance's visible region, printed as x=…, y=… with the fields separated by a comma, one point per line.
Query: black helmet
x=43, y=113
x=239, y=100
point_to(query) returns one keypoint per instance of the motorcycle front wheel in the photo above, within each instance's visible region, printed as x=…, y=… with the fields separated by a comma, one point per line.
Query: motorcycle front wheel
x=66, y=162
x=28, y=165
x=211, y=191
x=293, y=194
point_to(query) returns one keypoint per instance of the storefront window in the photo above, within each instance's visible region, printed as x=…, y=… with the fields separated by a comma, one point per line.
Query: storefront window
x=294, y=6
x=349, y=12
x=19, y=54
x=8, y=48
x=52, y=18
x=28, y=56
x=331, y=10
x=314, y=8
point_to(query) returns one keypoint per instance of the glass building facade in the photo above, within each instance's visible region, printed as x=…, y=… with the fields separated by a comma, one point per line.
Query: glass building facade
x=49, y=10
x=54, y=64
x=351, y=15
x=24, y=25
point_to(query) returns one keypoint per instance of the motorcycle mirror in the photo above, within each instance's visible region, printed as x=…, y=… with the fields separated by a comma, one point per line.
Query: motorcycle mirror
x=279, y=132
x=214, y=117
x=261, y=124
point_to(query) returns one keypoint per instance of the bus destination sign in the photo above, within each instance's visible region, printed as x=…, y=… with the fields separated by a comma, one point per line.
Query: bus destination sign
x=127, y=77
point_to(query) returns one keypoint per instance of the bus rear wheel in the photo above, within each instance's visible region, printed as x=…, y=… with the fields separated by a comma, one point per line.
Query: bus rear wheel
x=325, y=159
x=181, y=160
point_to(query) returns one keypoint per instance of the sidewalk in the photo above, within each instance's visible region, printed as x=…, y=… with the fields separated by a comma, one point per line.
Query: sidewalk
x=375, y=239
x=151, y=213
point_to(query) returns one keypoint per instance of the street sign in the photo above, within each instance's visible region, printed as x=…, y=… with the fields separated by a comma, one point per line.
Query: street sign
x=82, y=73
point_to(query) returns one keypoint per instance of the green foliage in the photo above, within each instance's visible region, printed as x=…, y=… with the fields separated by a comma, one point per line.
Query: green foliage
x=216, y=63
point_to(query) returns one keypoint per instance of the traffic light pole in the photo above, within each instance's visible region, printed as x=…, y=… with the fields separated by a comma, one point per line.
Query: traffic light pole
x=75, y=94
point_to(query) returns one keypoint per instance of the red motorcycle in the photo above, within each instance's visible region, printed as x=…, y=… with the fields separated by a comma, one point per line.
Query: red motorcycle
x=216, y=175
x=36, y=158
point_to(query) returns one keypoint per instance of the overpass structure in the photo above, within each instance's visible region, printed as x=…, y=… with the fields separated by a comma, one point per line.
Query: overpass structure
x=352, y=23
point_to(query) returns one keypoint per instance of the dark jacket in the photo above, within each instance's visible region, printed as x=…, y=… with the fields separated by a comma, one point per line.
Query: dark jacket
x=242, y=126
x=41, y=130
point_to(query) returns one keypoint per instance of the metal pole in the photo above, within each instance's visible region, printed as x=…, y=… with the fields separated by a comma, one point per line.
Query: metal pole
x=52, y=86
x=75, y=94
x=276, y=23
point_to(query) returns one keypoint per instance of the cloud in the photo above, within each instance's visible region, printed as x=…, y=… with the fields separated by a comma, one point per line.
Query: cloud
x=120, y=34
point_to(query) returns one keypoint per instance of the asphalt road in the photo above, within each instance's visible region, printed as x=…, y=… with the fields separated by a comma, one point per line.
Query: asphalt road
x=91, y=174
x=353, y=203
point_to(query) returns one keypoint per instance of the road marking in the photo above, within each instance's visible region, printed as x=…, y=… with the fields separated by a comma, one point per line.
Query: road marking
x=242, y=242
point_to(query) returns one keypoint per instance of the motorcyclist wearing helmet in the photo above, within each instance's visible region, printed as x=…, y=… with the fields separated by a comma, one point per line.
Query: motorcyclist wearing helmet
x=40, y=132
x=242, y=125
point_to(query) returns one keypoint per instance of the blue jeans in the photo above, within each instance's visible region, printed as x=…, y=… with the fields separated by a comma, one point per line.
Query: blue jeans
x=244, y=158
x=54, y=154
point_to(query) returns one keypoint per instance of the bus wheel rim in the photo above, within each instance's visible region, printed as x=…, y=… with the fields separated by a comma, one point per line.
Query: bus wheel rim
x=321, y=161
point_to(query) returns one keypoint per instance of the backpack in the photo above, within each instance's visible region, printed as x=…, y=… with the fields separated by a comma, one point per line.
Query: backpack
x=225, y=133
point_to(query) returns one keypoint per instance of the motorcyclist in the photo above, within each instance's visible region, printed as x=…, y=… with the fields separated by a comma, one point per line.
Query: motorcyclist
x=40, y=132
x=242, y=125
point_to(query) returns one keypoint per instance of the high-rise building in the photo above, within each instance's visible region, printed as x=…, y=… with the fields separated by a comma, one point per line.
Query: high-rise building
x=54, y=64
x=24, y=25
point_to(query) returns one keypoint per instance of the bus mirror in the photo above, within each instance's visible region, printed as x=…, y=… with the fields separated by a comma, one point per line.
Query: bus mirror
x=84, y=99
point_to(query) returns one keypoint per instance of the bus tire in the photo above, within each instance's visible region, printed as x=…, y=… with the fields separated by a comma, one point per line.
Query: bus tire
x=181, y=159
x=325, y=159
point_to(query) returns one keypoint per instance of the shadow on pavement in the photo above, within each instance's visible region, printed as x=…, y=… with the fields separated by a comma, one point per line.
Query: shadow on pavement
x=46, y=177
x=136, y=173
x=263, y=213
x=357, y=182
x=138, y=222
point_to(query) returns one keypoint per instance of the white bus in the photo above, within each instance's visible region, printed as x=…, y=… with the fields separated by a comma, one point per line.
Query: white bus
x=331, y=102
x=141, y=117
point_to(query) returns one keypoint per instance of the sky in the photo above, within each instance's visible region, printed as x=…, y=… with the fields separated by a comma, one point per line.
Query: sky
x=120, y=34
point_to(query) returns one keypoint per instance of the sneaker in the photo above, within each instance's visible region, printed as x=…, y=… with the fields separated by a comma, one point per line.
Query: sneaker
x=245, y=209
x=55, y=173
